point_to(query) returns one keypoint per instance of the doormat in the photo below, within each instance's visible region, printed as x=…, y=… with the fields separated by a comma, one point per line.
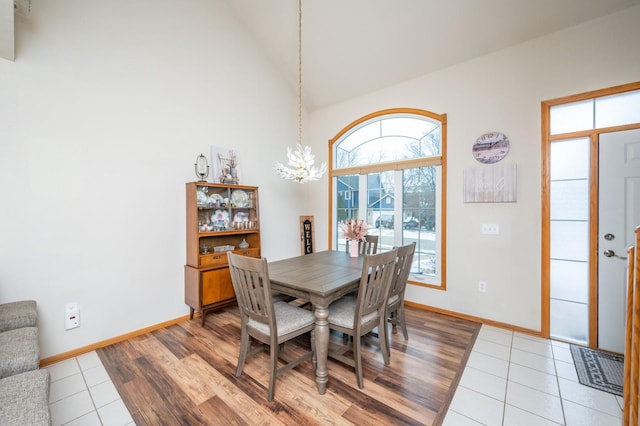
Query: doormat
x=599, y=370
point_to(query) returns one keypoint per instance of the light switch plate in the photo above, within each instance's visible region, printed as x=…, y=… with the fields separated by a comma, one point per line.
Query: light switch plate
x=490, y=229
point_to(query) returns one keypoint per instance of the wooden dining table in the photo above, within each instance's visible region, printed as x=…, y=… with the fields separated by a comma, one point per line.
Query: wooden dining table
x=321, y=278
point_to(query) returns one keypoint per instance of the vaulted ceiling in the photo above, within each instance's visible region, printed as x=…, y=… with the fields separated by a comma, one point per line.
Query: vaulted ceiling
x=353, y=47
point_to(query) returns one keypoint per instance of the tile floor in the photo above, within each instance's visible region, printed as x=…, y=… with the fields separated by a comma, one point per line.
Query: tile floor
x=510, y=379
x=516, y=379
x=82, y=394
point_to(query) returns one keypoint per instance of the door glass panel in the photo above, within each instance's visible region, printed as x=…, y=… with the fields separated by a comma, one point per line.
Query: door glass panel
x=570, y=200
x=569, y=243
x=570, y=281
x=570, y=240
x=617, y=110
x=570, y=159
x=571, y=117
x=569, y=321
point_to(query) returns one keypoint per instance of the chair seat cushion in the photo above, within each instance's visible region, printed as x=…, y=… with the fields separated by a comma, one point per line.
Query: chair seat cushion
x=18, y=314
x=24, y=399
x=289, y=318
x=19, y=351
x=343, y=311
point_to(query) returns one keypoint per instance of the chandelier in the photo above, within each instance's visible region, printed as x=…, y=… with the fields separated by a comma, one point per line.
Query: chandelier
x=301, y=161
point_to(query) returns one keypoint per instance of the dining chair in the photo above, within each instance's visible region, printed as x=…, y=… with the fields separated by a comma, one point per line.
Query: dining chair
x=395, y=303
x=357, y=316
x=368, y=246
x=271, y=324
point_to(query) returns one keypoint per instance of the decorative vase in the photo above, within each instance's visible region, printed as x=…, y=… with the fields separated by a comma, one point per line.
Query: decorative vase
x=354, y=248
x=244, y=244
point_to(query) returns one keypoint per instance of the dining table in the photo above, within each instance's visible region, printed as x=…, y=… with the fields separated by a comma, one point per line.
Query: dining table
x=320, y=277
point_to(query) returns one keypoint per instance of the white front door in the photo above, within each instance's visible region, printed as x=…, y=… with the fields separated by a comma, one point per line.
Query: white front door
x=619, y=215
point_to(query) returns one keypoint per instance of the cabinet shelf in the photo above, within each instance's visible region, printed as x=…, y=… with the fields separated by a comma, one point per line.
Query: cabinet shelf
x=228, y=232
x=223, y=208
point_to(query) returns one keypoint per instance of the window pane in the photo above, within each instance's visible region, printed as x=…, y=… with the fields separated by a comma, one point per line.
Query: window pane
x=570, y=159
x=347, y=149
x=419, y=218
x=380, y=208
x=571, y=117
x=425, y=136
x=618, y=109
x=347, y=203
x=570, y=200
x=395, y=138
x=413, y=221
x=381, y=204
x=407, y=127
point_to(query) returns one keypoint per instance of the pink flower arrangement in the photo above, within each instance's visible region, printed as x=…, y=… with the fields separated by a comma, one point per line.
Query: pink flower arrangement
x=354, y=229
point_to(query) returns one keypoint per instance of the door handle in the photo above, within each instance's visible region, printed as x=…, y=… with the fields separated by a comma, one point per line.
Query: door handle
x=611, y=253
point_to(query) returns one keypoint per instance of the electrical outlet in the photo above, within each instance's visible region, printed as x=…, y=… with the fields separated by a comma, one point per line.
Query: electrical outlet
x=71, y=316
x=482, y=286
x=490, y=228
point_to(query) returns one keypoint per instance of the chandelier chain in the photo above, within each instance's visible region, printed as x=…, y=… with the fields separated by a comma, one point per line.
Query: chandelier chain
x=300, y=71
x=301, y=166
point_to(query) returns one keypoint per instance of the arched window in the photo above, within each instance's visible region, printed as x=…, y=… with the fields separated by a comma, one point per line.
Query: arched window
x=388, y=169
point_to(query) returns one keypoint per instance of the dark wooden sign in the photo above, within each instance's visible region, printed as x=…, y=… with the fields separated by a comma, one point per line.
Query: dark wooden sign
x=307, y=234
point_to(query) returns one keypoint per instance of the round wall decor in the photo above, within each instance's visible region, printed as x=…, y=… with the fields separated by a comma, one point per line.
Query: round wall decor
x=491, y=147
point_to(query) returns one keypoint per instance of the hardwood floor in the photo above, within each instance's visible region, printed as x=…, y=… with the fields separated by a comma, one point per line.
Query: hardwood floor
x=185, y=375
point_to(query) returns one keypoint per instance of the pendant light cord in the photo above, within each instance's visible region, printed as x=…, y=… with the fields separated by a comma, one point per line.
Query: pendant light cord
x=300, y=72
x=301, y=161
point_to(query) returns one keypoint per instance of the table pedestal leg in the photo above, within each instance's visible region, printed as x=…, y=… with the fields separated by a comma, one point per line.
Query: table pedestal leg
x=322, y=347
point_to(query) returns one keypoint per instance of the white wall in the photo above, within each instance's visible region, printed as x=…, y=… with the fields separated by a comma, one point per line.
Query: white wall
x=500, y=92
x=103, y=114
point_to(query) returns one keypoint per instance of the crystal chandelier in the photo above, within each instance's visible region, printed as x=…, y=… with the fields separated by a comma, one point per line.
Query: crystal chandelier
x=301, y=161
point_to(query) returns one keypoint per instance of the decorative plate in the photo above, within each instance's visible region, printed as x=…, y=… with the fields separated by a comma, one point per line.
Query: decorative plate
x=491, y=147
x=202, y=197
x=220, y=218
x=216, y=199
x=240, y=198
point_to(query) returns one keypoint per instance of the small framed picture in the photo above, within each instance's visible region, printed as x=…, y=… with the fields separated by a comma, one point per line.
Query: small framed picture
x=225, y=165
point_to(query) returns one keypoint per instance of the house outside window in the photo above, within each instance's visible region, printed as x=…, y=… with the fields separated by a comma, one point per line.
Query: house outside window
x=391, y=164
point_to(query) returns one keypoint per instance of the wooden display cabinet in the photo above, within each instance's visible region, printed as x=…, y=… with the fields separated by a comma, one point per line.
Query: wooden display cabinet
x=220, y=218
